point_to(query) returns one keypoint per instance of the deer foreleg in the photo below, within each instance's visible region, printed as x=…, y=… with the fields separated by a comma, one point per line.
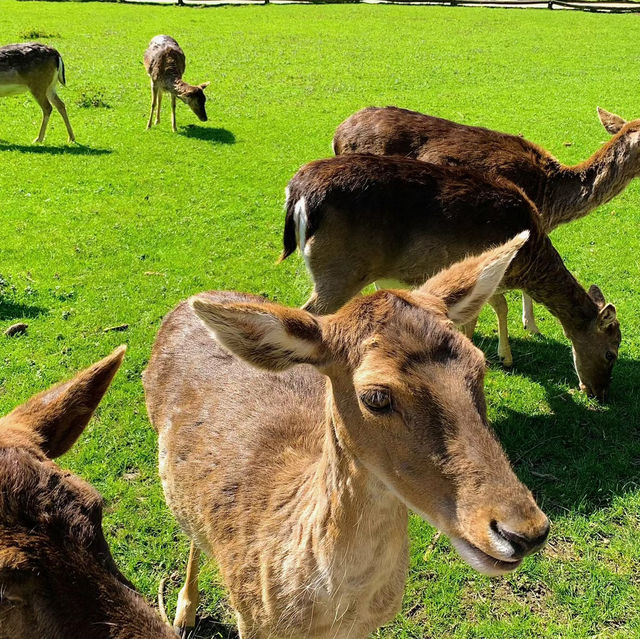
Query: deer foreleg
x=528, y=318
x=499, y=305
x=46, y=107
x=189, y=597
x=158, y=106
x=62, y=110
x=173, y=113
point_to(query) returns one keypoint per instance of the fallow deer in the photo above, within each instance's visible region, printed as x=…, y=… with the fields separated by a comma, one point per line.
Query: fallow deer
x=165, y=63
x=362, y=218
x=36, y=68
x=291, y=447
x=561, y=193
x=57, y=577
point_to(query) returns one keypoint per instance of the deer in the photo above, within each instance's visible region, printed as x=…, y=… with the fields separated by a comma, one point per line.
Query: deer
x=36, y=68
x=358, y=219
x=292, y=445
x=58, y=579
x=561, y=193
x=165, y=63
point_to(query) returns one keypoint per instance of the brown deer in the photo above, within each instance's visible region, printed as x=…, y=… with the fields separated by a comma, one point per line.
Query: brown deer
x=36, y=68
x=57, y=577
x=362, y=218
x=291, y=447
x=561, y=193
x=165, y=63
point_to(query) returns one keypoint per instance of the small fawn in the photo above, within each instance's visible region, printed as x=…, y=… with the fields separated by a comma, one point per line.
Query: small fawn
x=36, y=68
x=165, y=63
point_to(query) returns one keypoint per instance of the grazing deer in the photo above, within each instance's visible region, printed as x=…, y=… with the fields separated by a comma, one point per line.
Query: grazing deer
x=297, y=479
x=57, y=577
x=36, y=68
x=362, y=218
x=561, y=193
x=165, y=63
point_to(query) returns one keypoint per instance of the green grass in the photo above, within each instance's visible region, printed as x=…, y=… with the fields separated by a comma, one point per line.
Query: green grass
x=120, y=229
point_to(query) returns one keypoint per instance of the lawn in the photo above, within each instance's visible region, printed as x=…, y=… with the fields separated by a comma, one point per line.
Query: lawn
x=118, y=229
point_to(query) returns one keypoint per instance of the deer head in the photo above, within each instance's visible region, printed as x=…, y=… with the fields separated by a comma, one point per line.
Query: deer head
x=194, y=98
x=57, y=576
x=406, y=399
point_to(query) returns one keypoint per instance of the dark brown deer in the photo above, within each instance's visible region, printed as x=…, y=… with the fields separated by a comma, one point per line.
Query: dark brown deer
x=165, y=63
x=362, y=218
x=57, y=577
x=291, y=447
x=561, y=193
x=36, y=68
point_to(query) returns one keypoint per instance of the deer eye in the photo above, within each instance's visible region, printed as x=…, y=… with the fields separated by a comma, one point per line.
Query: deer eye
x=377, y=400
x=611, y=356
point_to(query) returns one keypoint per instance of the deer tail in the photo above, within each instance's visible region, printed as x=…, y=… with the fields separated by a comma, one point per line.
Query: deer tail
x=61, y=74
x=289, y=239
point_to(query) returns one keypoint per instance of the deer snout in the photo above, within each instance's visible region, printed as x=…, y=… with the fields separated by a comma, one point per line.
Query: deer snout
x=601, y=394
x=519, y=543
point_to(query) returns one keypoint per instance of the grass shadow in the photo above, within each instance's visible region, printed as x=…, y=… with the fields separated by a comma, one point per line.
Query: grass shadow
x=576, y=455
x=71, y=149
x=12, y=310
x=218, y=136
x=208, y=628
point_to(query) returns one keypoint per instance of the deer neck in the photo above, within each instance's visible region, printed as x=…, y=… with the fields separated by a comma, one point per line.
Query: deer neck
x=178, y=86
x=548, y=281
x=353, y=518
x=574, y=191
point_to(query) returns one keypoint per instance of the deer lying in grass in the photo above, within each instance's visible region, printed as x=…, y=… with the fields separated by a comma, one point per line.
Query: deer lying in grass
x=36, y=68
x=298, y=478
x=362, y=218
x=561, y=193
x=165, y=63
x=57, y=577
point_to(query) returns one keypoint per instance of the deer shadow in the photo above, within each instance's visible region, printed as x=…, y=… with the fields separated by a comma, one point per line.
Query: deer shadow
x=71, y=149
x=14, y=310
x=208, y=628
x=217, y=136
x=576, y=455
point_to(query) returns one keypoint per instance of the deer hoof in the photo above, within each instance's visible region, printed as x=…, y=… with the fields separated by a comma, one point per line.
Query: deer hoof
x=506, y=361
x=533, y=329
x=182, y=631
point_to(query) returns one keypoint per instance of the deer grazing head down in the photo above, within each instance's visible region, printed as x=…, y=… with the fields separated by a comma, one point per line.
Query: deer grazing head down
x=407, y=400
x=195, y=99
x=57, y=577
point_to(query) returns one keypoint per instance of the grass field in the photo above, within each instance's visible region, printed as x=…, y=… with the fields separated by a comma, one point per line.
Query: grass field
x=118, y=229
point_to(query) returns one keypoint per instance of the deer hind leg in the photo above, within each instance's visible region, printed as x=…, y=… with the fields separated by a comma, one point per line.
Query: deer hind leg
x=173, y=113
x=469, y=328
x=499, y=305
x=158, y=106
x=62, y=110
x=189, y=597
x=528, y=318
x=154, y=99
x=329, y=296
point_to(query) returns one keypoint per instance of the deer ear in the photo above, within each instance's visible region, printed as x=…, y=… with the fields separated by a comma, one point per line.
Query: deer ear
x=607, y=316
x=597, y=296
x=610, y=121
x=266, y=335
x=466, y=286
x=58, y=416
x=204, y=85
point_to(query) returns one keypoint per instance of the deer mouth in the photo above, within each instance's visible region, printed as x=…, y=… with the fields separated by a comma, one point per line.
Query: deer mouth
x=481, y=561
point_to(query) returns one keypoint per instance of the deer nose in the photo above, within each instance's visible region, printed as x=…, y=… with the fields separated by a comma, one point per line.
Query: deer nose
x=523, y=544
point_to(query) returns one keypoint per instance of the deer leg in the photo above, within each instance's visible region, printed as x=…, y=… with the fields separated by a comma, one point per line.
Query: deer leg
x=154, y=99
x=528, y=318
x=158, y=105
x=469, y=328
x=188, y=598
x=173, y=113
x=330, y=296
x=499, y=305
x=62, y=110
x=46, y=107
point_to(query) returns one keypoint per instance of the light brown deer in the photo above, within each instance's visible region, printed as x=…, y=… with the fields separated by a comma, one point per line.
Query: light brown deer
x=165, y=63
x=561, y=193
x=297, y=479
x=362, y=218
x=36, y=68
x=57, y=577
